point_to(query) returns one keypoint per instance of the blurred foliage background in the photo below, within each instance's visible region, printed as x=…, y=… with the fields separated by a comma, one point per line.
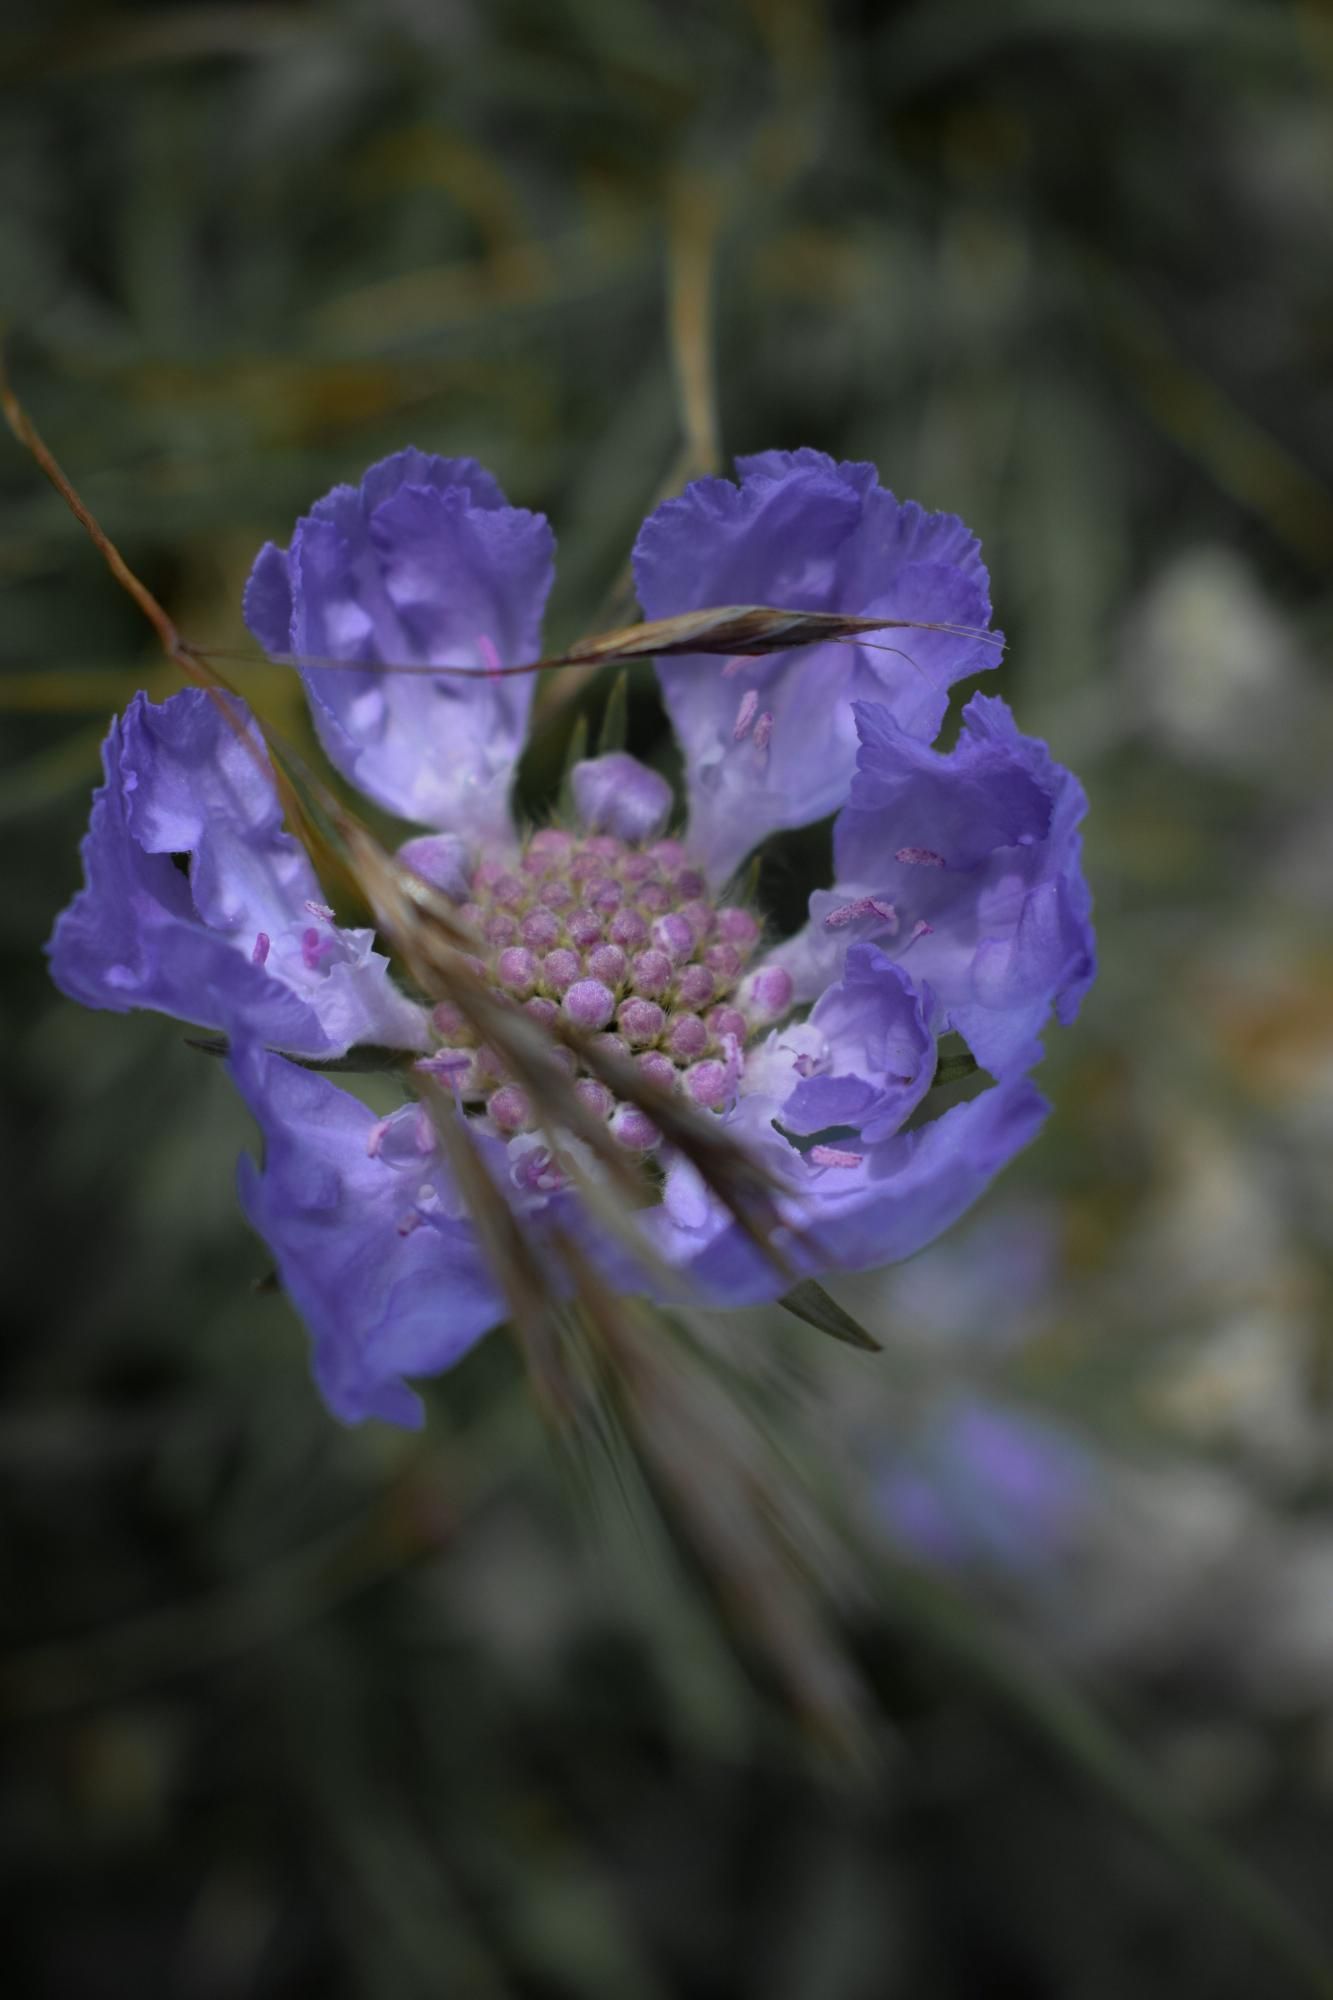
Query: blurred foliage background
x=296, y=1710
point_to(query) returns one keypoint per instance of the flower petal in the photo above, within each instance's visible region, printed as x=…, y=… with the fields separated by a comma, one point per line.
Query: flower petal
x=966, y=869
x=245, y=933
x=617, y=794
x=880, y=1203
x=423, y=564
x=386, y=1273
x=771, y=742
x=878, y=1054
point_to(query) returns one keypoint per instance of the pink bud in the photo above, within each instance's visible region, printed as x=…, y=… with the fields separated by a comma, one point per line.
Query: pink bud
x=634, y=1129
x=627, y=929
x=738, y=927
x=510, y=1109
x=674, y=935
x=687, y=1037
x=641, y=1021
x=605, y=893
x=552, y=840
x=724, y=961
x=651, y=973
x=560, y=968
x=509, y=890
x=609, y=963
x=541, y=929
x=516, y=969
x=595, y=1095
x=766, y=995
x=708, y=1083
x=589, y=1004
x=659, y=1069
x=728, y=1021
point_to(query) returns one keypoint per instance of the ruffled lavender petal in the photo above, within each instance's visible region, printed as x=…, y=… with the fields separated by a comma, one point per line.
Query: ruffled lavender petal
x=244, y=933
x=617, y=794
x=966, y=869
x=771, y=743
x=877, y=1204
x=370, y=1240
x=863, y=1060
x=423, y=564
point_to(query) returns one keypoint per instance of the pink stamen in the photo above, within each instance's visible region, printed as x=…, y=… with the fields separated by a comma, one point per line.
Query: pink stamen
x=263, y=945
x=376, y=1136
x=831, y=1156
x=919, y=930
x=763, y=733
x=321, y=910
x=410, y=1222
x=847, y=913
x=920, y=857
x=735, y=665
x=864, y=906
x=745, y=715
x=490, y=657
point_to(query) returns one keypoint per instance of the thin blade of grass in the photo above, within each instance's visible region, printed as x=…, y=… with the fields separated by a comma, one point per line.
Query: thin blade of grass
x=699, y=1458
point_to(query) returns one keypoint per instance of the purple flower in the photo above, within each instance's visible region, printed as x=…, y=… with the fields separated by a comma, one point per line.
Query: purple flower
x=959, y=900
x=984, y=1486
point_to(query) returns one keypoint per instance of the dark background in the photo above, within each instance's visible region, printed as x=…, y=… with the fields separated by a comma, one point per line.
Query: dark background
x=294, y=1710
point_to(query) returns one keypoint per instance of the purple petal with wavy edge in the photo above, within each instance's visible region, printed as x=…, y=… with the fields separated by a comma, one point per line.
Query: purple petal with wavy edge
x=370, y=1240
x=423, y=564
x=245, y=933
x=866, y=1056
x=976, y=857
x=771, y=743
x=617, y=794
x=886, y=1201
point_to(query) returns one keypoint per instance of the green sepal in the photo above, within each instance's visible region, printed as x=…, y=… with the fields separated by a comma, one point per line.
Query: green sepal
x=615, y=716
x=575, y=751
x=809, y=1301
x=953, y=1068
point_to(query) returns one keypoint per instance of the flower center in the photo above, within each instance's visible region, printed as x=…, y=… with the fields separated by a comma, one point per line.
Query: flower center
x=624, y=942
